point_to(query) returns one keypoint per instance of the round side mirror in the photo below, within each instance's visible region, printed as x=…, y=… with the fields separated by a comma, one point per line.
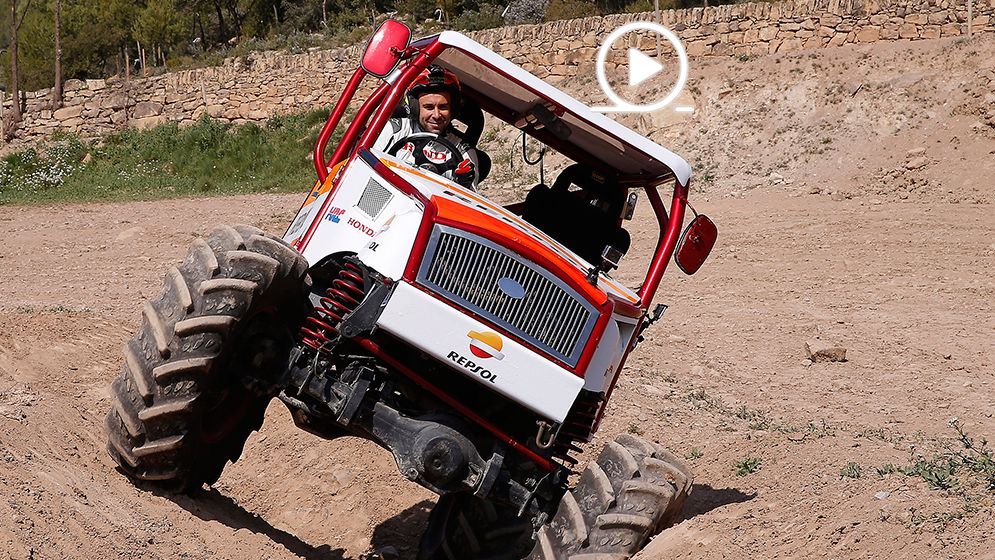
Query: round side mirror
x=695, y=244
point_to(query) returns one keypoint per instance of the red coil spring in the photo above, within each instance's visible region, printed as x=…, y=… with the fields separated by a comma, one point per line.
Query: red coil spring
x=345, y=293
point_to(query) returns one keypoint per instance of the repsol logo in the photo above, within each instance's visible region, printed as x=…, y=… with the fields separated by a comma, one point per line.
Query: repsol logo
x=361, y=226
x=471, y=366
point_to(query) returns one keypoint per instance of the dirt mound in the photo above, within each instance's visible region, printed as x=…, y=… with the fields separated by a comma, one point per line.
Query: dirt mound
x=792, y=458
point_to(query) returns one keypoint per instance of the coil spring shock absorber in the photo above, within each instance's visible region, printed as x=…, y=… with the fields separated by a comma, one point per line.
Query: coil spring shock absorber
x=343, y=296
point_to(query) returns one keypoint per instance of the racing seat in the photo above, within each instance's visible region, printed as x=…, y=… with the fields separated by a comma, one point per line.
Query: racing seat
x=471, y=115
x=585, y=220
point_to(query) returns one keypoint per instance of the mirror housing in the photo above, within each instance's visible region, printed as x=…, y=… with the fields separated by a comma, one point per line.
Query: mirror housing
x=386, y=48
x=611, y=256
x=630, y=206
x=695, y=244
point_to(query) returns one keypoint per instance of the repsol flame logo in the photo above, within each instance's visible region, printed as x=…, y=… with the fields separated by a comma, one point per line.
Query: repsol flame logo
x=484, y=345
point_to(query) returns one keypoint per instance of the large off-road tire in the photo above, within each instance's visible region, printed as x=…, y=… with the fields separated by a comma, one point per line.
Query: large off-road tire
x=181, y=408
x=631, y=492
x=464, y=527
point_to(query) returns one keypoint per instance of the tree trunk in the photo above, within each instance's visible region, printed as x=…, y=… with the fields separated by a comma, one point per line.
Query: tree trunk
x=203, y=39
x=222, y=32
x=127, y=63
x=324, y=13
x=57, y=90
x=15, y=115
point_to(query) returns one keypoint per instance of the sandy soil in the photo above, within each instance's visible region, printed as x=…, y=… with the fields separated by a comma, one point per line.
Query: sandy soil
x=823, y=249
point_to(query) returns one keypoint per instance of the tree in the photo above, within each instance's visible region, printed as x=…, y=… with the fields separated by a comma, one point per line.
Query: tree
x=16, y=19
x=57, y=87
x=159, y=26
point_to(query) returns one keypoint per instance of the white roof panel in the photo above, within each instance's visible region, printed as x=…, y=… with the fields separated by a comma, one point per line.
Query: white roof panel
x=490, y=77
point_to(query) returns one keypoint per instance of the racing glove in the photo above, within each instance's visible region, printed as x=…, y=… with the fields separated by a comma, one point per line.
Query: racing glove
x=465, y=173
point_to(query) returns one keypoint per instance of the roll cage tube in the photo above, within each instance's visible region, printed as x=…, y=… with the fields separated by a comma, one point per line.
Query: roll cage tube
x=419, y=62
x=320, y=165
x=670, y=232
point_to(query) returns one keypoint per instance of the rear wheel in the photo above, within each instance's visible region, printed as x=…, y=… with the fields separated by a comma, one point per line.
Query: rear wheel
x=193, y=386
x=631, y=492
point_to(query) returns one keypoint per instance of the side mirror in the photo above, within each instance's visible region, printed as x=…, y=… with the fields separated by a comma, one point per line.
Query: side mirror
x=695, y=244
x=384, y=51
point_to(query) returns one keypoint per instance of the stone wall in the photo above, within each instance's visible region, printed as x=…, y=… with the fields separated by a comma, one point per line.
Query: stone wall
x=751, y=29
x=254, y=87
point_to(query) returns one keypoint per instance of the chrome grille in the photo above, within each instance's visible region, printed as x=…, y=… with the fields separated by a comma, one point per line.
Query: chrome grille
x=374, y=199
x=467, y=269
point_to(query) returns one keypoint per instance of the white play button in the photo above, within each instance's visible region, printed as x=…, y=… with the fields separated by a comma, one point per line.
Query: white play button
x=641, y=67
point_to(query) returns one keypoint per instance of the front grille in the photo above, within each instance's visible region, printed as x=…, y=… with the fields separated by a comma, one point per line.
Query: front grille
x=508, y=290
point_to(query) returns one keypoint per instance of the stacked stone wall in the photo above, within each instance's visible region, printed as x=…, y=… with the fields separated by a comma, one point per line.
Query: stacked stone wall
x=257, y=86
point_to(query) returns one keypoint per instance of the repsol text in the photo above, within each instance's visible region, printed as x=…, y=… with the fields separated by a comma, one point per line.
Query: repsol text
x=471, y=366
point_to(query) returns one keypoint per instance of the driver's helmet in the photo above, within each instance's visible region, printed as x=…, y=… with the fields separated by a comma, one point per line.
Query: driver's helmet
x=435, y=79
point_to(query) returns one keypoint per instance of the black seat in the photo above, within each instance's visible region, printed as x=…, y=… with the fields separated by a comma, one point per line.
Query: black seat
x=471, y=115
x=585, y=220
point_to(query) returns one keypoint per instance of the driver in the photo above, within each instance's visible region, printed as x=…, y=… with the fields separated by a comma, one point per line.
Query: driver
x=432, y=101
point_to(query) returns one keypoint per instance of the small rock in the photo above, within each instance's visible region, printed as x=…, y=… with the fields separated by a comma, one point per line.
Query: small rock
x=916, y=152
x=882, y=494
x=775, y=177
x=130, y=233
x=676, y=338
x=947, y=356
x=821, y=351
x=653, y=391
x=916, y=163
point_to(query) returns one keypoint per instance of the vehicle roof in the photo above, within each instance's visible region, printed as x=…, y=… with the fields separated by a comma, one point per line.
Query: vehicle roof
x=508, y=91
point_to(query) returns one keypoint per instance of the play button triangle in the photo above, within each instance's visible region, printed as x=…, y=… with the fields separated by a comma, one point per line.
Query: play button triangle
x=641, y=67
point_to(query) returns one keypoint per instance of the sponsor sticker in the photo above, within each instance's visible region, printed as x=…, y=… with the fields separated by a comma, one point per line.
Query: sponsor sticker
x=484, y=346
x=361, y=226
x=334, y=214
x=435, y=154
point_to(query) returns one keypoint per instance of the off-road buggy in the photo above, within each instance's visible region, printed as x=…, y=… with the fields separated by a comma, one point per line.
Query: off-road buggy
x=479, y=344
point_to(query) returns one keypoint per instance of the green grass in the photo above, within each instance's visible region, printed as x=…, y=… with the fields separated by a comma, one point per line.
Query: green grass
x=851, y=470
x=207, y=158
x=747, y=466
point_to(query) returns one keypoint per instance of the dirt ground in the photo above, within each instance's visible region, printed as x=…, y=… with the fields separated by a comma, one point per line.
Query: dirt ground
x=810, y=247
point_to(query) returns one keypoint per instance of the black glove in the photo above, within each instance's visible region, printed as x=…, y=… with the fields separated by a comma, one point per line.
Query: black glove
x=465, y=173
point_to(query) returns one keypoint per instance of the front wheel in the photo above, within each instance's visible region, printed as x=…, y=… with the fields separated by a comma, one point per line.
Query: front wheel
x=225, y=321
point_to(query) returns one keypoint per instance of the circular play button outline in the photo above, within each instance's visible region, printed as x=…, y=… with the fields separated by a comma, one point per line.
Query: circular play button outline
x=622, y=105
